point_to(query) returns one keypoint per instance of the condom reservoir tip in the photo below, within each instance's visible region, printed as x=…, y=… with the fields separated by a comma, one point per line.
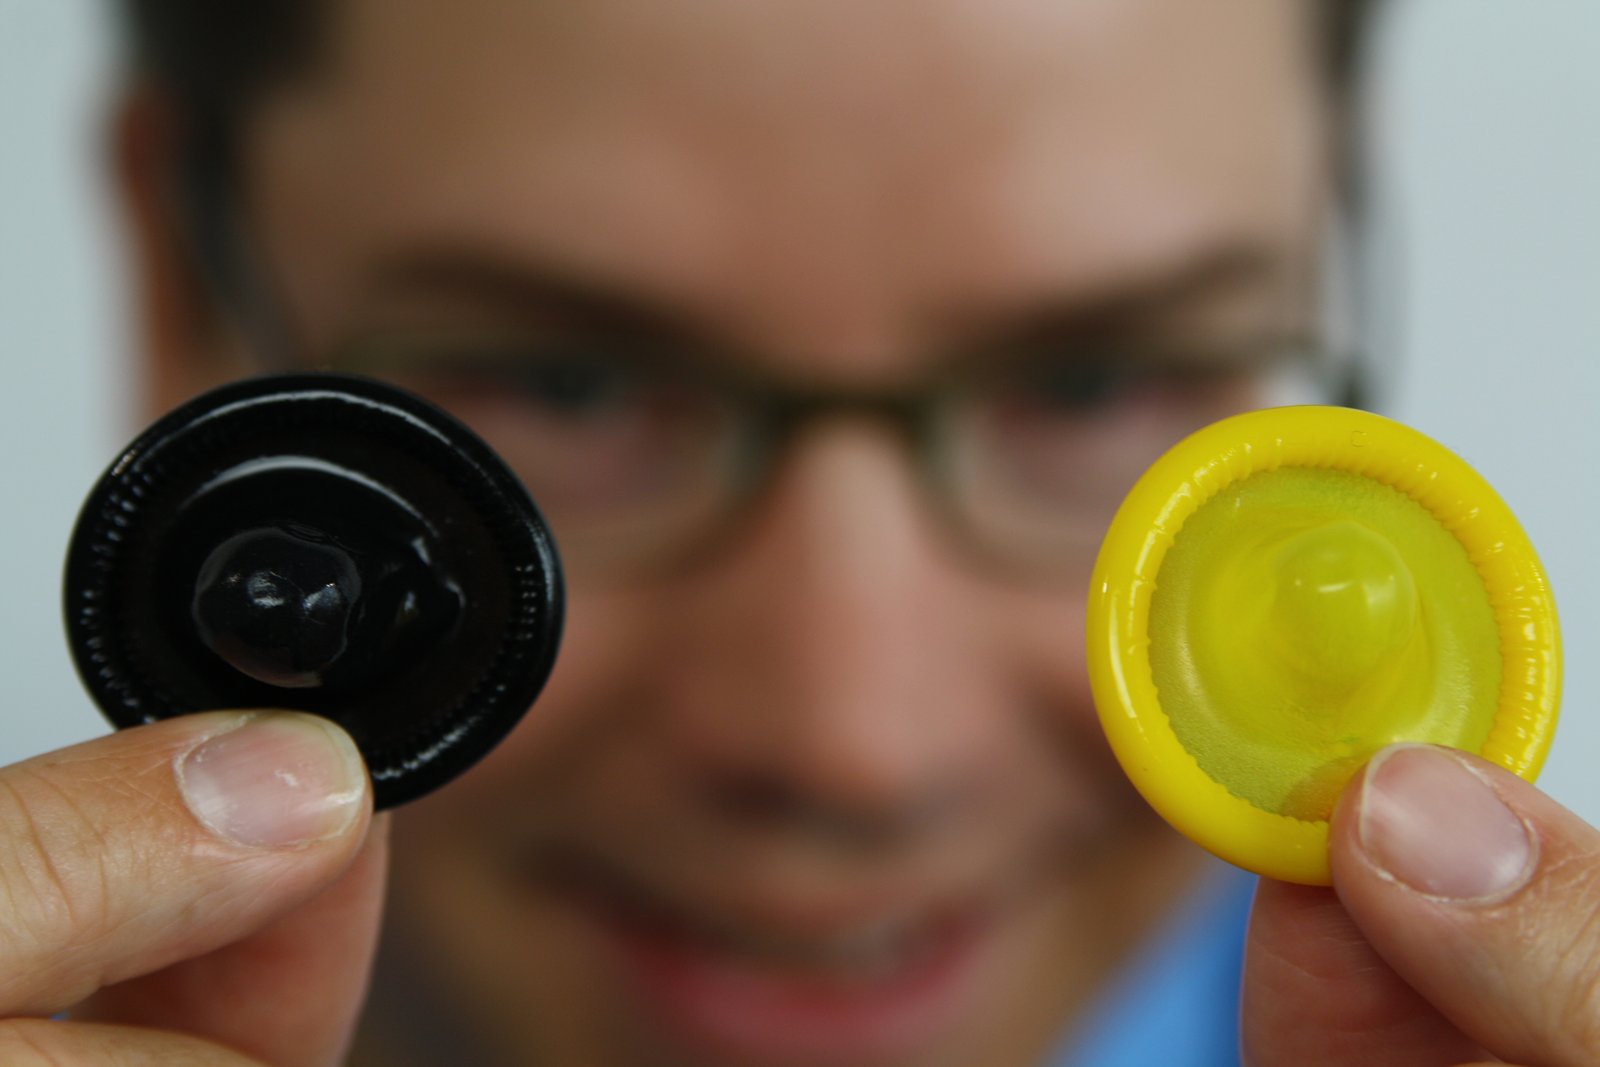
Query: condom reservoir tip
x=1288, y=591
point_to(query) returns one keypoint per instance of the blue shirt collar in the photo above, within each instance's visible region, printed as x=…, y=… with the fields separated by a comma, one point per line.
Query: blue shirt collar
x=1176, y=1002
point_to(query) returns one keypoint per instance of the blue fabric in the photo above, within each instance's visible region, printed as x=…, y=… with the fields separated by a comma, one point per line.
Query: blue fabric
x=1177, y=1002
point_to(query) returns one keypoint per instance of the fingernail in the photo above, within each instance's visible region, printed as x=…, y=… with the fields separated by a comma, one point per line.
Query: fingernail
x=1429, y=821
x=278, y=780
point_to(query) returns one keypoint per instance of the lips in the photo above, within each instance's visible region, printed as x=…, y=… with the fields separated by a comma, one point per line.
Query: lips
x=878, y=988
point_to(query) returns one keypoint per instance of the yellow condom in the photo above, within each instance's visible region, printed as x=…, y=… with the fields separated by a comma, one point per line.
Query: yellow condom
x=1288, y=591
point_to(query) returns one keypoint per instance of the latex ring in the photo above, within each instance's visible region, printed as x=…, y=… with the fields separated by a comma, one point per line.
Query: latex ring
x=1288, y=591
x=322, y=543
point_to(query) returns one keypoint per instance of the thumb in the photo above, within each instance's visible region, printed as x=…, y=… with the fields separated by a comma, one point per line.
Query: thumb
x=1482, y=893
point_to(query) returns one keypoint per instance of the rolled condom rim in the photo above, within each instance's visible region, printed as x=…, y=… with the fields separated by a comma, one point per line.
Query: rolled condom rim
x=407, y=762
x=1148, y=523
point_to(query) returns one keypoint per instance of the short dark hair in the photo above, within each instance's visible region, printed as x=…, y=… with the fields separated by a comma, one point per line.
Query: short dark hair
x=214, y=58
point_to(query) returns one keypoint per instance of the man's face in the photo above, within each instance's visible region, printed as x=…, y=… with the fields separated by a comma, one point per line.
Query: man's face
x=833, y=794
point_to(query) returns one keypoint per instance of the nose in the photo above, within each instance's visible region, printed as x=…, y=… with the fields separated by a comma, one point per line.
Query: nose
x=832, y=678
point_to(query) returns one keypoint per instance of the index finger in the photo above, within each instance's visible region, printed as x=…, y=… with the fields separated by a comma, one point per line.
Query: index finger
x=129, y=853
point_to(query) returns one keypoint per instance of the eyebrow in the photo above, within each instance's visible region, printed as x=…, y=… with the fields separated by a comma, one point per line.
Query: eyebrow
x=569, y=296
x=588, y=302
x=1128, y=307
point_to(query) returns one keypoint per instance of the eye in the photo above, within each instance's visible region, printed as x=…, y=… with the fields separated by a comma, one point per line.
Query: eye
x=1069, y=385
x=1050, y=387
x=576, y=384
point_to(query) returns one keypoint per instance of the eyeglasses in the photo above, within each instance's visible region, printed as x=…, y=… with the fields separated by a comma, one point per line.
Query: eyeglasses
x=645, y=459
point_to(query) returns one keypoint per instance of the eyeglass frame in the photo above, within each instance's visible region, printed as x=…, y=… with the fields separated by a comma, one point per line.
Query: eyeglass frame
x=239, y=283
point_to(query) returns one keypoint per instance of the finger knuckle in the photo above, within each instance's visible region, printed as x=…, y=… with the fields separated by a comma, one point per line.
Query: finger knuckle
x=54, y=873
x=52, y=865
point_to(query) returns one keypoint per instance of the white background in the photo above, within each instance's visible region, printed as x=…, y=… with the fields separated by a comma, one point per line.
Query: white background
x=1488, y=166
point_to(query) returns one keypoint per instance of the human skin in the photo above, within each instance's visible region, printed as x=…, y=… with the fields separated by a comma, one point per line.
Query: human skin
x=843, y=191
x=953, y=178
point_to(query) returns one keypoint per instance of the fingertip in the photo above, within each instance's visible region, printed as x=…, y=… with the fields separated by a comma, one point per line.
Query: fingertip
x=1434, y=821
x=275, y=780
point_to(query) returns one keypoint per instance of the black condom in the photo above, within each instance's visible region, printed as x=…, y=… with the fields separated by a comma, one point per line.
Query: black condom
x=324, y=543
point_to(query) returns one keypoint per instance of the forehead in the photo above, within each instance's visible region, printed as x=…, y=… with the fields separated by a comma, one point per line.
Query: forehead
x=795, y=161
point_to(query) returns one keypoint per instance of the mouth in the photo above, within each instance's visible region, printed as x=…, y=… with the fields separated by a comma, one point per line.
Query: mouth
x=881, y=987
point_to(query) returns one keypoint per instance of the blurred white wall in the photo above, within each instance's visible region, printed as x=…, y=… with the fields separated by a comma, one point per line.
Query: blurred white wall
x=1489, y=179
x=1489, y=188
x=62, y=345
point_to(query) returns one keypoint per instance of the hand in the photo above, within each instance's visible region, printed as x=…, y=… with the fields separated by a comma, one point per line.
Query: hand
x=193, y=892
x=1463, y=925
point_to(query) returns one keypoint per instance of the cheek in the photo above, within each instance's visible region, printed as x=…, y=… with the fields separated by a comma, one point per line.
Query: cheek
x=497, y=967
x=1039, y=653
x=1039, y=647
x=600, y=672
x=456, y=895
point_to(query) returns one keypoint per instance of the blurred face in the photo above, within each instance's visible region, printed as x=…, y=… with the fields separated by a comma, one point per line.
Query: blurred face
x=832, y=792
